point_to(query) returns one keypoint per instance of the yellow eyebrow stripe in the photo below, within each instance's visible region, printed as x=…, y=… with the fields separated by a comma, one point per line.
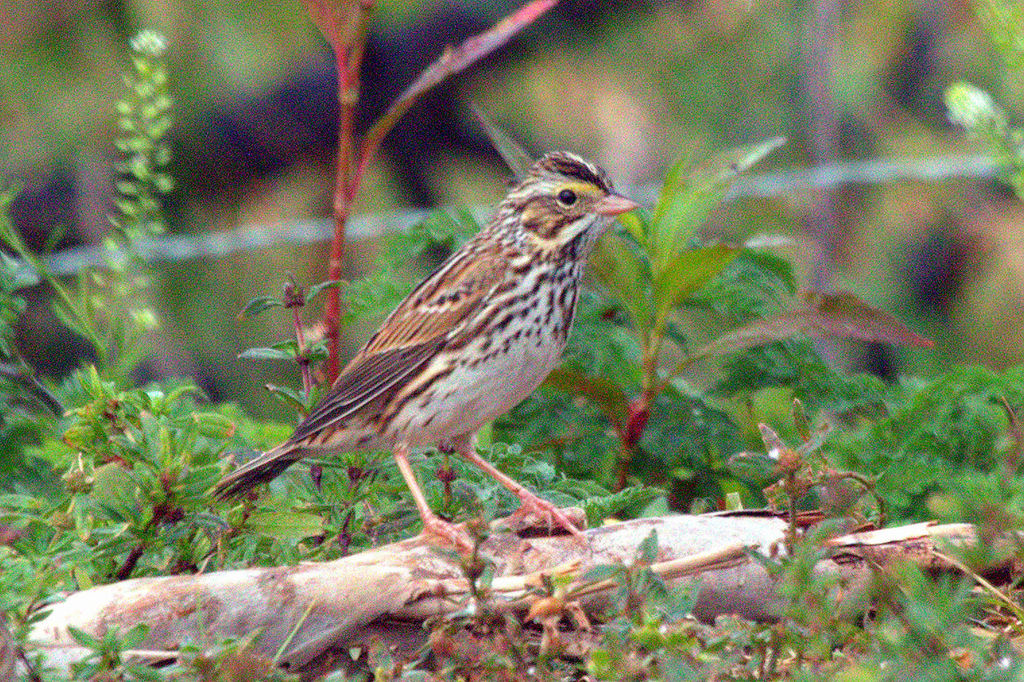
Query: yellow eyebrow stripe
x=580, y=187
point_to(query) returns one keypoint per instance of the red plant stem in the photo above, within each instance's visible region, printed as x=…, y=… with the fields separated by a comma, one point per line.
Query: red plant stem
x=349, y=59
x=630, y=433
x=352, y=164
x=451, y=61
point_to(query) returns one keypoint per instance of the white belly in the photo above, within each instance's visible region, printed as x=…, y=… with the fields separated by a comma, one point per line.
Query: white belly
x=473, y=395
x=487, y=378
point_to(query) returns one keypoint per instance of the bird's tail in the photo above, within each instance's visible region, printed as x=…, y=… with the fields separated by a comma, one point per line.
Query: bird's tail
x=266, y=467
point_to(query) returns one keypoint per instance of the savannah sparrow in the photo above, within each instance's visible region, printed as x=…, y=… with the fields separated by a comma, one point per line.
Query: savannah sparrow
x=469, y=343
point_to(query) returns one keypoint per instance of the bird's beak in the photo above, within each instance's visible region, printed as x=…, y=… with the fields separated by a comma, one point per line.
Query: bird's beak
x=613, y=204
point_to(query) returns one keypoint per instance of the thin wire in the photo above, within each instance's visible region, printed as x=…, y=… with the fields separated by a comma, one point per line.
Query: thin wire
x=873, y=172
x=176, y=248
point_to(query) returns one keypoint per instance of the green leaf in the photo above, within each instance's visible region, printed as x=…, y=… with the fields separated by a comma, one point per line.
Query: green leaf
x=1003, y=20
x=78, y=437
x=258, y=305
x=686, y=273
x=287, y=525
x=636, y=223
x=599, y=506
x=755, y=467
x=213, y=425
x=176, y=394
x=617, y=267
x=647, y=552
x=135, y=636
x=601, y=573
x=687, y=197
x=290, y=396
x=83, y=638
x=315, y=290
x=8, y=235
x=267, y=354
x=70, y=318
x=113, y=485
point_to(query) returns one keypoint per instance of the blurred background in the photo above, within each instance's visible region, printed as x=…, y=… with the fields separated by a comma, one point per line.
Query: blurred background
x=634, y=85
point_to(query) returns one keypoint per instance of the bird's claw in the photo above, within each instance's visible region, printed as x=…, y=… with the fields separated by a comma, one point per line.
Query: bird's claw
x=435, y=528
x=536, y=512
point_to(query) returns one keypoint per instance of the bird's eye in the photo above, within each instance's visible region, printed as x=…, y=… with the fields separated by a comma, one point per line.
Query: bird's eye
x=567, y=197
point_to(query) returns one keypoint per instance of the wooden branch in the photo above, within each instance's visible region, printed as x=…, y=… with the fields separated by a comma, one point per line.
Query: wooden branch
x=321, y=609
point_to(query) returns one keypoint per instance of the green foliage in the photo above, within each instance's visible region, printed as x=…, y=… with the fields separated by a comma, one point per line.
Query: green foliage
x=654, y=268
x=135, y=466
x=107, y=655
x=930, y=435
x=923, y=630
x=108, y=307
x=144, y=115
x=977, y=112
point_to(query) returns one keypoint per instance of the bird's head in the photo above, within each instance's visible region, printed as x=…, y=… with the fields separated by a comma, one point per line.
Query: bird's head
x=563, y=202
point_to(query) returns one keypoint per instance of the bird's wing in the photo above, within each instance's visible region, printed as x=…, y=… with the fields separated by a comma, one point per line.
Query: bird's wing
x=419, y=328
x=441, y=304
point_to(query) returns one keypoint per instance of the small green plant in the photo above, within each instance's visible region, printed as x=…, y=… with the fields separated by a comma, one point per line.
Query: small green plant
x=300, y=351
x=645, y=622
x=108, y=307
x=976, y=111
x=108, y=657
x=801, y=478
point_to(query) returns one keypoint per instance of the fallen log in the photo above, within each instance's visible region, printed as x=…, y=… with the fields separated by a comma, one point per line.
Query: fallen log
x=309, y=613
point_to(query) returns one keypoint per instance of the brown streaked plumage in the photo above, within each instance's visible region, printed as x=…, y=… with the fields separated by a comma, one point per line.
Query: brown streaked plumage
x=470, y=342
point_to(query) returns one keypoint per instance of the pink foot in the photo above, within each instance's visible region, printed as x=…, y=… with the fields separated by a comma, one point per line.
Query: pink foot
x=448, y=533
x=548, y=515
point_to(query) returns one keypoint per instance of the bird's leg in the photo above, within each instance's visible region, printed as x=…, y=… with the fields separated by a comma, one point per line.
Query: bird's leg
x=432, y=524
x=529, y=503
